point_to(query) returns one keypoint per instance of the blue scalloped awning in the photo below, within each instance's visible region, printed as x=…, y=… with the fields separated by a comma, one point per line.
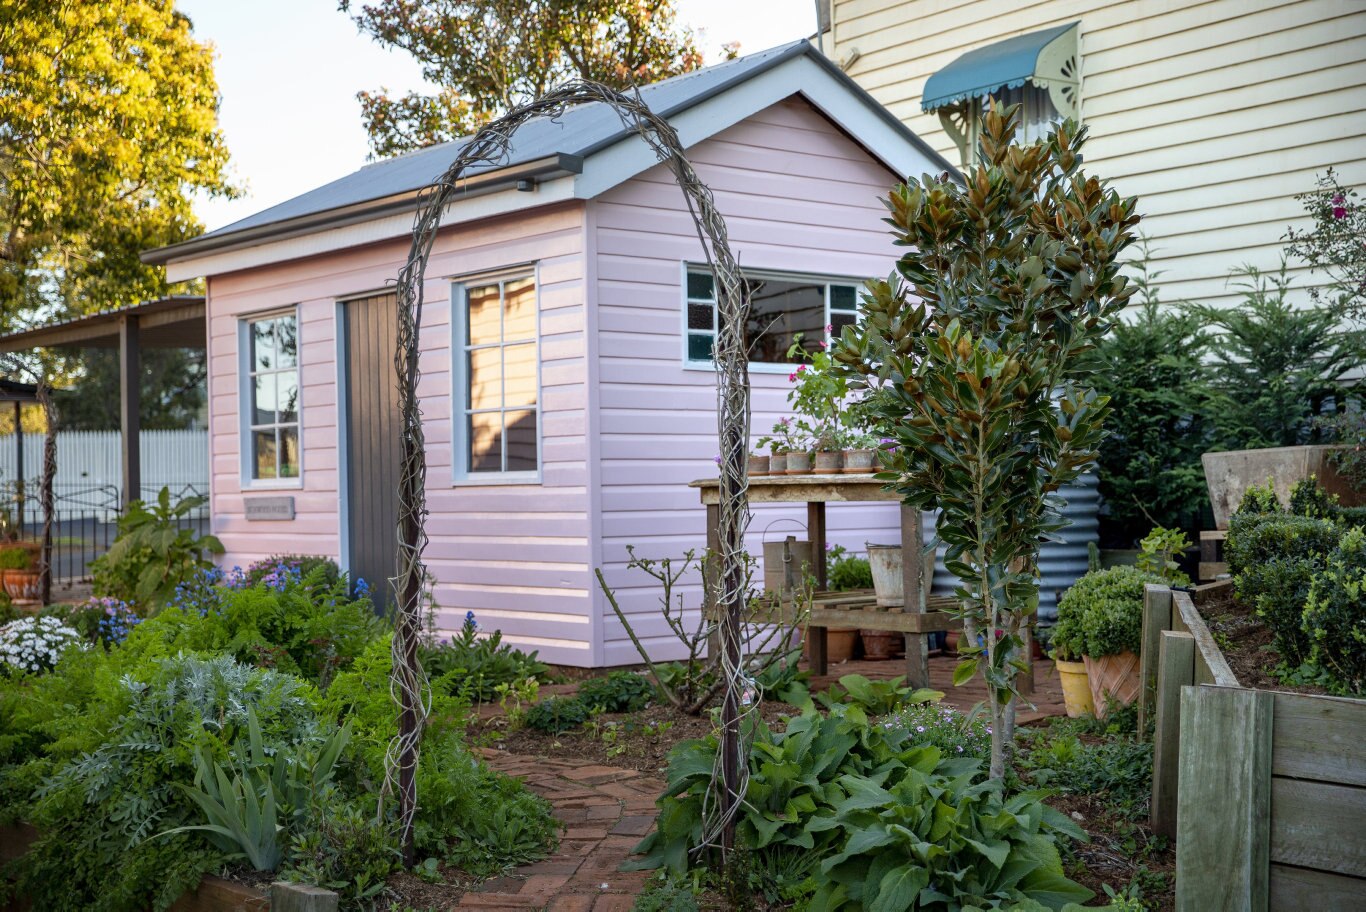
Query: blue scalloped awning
x=1006, y=64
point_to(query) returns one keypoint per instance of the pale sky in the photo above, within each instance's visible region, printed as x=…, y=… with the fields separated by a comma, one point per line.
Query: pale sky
x=289, y=71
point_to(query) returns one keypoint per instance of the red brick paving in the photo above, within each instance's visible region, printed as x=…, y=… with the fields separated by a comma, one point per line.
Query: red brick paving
x=605, y=811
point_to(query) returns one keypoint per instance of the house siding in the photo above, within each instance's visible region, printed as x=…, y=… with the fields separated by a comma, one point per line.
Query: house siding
x=1213, y=113
x=517, y=555
x=798, y=196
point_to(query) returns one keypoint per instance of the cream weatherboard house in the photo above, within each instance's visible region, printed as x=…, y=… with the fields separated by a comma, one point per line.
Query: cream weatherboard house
x=1213, y=112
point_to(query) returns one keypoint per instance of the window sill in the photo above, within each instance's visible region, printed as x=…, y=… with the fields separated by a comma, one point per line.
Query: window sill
x=272, y=484
x=753, y=368
x=497, y=480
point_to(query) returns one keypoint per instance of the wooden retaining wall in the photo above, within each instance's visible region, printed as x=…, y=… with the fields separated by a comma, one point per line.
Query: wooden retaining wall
x=1263, y=791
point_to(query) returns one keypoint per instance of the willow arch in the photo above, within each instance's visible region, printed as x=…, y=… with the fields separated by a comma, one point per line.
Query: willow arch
x=490, y=146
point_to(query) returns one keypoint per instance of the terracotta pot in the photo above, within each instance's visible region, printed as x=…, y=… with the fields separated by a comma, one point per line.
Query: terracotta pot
x=1116, y=678
x=24, y=586
x=758, y=465
x=777, y=464
x=839, y=645
x=1076, y=688
x=860, y=462
x=879, y=645
x=799, y=463
x=828, y=462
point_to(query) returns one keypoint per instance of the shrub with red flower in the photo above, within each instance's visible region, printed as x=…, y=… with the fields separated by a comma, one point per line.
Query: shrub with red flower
x=1334, y=246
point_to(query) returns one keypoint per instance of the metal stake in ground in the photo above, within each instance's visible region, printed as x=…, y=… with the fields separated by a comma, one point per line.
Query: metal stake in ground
x=490, y=146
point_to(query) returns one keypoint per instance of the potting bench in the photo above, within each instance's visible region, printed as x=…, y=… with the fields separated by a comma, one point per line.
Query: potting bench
x=916, y=619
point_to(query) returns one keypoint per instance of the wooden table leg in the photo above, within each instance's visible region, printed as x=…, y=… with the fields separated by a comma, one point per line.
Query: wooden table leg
x=815, y=531
x=815, y=638
x=913, y=597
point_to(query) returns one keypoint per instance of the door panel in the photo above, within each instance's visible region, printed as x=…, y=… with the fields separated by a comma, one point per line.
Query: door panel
x=373, y=426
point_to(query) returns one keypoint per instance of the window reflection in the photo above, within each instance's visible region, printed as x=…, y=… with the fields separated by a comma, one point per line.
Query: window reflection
x=501, y=377
x=272, y=414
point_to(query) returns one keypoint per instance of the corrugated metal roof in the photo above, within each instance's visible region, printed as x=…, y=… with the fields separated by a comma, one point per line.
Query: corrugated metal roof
x=581, y=131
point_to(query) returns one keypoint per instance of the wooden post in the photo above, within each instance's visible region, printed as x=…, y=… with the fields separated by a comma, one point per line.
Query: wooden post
x=1223, y=806
x=1174, y=658
x=709, y=608
x=296, y=897
x=19, y=467
x=913, y=596
x=1157, y=617
x=130, y=423
x=815, y=531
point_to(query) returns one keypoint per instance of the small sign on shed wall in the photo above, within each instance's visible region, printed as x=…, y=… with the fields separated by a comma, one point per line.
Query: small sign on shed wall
x=269, y=508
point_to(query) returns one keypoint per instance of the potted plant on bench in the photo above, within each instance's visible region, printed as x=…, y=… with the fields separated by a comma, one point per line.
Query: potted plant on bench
x=1101, y=617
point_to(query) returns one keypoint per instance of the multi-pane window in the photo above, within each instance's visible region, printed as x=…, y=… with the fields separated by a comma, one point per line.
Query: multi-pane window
x=499, y=420
x=272, y=416
x=780, y=307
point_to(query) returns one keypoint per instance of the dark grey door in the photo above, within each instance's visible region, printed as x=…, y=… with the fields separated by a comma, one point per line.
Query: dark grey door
x=372, y=441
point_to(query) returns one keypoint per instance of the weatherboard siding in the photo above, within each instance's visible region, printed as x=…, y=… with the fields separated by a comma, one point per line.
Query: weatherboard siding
x=1213, y=113
x=517, y=555
x=798, y=196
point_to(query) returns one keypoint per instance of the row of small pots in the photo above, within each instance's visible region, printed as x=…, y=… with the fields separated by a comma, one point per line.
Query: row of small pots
x=825, y=462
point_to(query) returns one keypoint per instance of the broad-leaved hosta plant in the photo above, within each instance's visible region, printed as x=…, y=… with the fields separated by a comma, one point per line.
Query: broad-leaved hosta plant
x=976, y=356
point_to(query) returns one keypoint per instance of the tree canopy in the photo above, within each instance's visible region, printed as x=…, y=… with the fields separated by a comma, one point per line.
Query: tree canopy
x=487, y=56
x=109, y=116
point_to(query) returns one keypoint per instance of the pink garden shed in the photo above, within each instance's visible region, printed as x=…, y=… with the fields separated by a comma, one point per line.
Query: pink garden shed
x=566, y=387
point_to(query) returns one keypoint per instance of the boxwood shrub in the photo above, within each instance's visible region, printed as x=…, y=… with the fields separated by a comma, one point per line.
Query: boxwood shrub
x=1335, y=613
x=1102, y=614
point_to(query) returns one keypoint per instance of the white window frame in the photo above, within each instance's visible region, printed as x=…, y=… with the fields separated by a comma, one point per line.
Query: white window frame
x=247, y=400
x=756, y=367
x=461, y=476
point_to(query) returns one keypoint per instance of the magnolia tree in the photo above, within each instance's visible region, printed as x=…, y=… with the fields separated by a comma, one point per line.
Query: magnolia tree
x=976, y=358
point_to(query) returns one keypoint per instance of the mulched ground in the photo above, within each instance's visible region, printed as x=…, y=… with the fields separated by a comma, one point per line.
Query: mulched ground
x=1247, y=644
x=1118, y=852
x=637, y=741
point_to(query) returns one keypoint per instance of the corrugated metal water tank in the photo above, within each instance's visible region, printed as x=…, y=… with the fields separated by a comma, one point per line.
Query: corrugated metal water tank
x=1061, y=564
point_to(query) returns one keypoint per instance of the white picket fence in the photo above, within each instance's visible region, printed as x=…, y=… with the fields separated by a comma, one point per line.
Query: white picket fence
x=92, y=459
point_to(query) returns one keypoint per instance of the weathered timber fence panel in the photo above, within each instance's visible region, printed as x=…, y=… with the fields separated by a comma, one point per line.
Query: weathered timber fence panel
x=1264, y=792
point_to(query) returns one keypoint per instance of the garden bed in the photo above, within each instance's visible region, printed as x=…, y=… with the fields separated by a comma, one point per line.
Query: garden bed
x=1245, y=641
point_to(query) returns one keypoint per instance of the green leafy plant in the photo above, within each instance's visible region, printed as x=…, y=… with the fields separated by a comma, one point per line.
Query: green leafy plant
x=1158, y=555
x=557, y=714
x=1308, y=498
x=818, y=396
x=1255, y=538
x=343, y=847
x=479, y=664
x=934, y=724
x=303, y=625
x=844, y=571
x=985, y=382
x=1066, y=755
x=15, y=559
x=1149, y=464
x=1102, y=613
x=1335, y=244
x=877, y=698
x=1260, y=499
x=1335, y=613
x=154, y=551
x=1276, y=366
x=938, y=839
x=618, y=692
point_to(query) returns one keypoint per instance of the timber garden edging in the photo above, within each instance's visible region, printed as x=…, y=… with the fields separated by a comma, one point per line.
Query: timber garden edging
x=1263, y=791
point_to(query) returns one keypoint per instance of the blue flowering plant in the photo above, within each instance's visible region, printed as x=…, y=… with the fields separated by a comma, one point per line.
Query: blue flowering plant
x=474, y=665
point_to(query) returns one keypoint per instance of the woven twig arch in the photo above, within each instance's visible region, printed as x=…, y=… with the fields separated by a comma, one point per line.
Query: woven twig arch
x=490, y=146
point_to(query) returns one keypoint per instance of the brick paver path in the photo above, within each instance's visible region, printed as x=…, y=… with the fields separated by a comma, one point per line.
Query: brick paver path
x=606, y=811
